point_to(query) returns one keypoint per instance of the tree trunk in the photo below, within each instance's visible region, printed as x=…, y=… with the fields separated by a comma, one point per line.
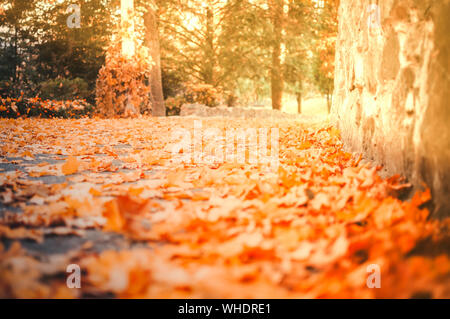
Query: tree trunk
x=299, y=85
x=16, y=60
x=210, y=58
x=127, y=11
x=299, y=102
x=277, y=81
x=152, y=42
x=329, y=102
x=128, y=49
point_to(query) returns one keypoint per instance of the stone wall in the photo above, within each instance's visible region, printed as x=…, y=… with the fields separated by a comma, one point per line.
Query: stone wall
x=391, y=88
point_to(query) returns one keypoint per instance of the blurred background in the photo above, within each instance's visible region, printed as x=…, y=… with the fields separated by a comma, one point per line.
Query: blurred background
x=239, y=53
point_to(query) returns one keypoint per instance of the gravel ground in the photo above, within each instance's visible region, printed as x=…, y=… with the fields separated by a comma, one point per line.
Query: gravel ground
x=57, y=244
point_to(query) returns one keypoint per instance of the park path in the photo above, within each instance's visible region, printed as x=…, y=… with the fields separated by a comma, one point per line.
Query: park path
x=142, y=218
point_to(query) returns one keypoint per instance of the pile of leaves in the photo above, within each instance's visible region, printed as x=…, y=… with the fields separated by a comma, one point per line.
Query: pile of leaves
x=37, y=107
x=310, y=229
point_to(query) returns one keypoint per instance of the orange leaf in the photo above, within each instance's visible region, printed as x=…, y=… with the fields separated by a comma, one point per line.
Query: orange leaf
x=70, y=166
x=115, y=221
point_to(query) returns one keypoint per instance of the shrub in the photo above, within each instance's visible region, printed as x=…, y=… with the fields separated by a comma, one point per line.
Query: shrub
x=36, y=107
x=172, y=83
x=203, y=94
x=173, y=105
x=230, y=98
x=4, y=88
x=64, y=89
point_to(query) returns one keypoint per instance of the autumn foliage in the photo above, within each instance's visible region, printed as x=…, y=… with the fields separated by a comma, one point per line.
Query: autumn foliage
x=37, y=107
x=111, y=196
x=308, y=230
x=123, y=87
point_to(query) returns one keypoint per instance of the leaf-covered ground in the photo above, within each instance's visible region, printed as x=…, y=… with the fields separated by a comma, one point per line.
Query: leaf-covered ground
x=109, y=196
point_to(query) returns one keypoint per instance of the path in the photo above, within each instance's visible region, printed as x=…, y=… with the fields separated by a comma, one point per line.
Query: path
x=111, y=197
